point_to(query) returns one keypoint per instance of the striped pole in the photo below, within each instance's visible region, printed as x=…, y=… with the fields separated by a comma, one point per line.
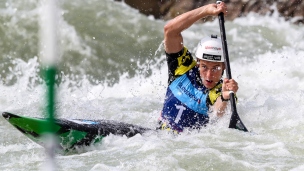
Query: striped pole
x=49, y=58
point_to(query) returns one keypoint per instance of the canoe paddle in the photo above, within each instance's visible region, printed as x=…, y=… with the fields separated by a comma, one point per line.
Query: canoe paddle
x=235, y=121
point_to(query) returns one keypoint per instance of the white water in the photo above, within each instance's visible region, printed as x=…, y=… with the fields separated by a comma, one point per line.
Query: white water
x=266, y=54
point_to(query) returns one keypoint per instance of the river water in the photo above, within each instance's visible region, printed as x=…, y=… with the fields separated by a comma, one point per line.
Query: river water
x=113, y=67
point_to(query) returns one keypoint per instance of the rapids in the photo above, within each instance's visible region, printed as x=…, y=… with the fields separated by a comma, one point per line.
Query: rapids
x=113, y=67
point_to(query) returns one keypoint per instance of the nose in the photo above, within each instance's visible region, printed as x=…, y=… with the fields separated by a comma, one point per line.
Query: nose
x=208, y=73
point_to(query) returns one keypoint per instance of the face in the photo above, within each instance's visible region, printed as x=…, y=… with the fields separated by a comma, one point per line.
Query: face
x=211, y=72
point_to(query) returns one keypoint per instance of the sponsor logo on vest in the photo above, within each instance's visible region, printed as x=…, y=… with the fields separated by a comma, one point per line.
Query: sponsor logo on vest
x=189, y=94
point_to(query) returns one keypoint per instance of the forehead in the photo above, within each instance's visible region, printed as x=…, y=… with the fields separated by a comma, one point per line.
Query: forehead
x=211, y=64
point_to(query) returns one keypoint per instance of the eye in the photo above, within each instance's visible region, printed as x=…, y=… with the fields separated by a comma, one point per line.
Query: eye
x=218, y=68
x=204, y=66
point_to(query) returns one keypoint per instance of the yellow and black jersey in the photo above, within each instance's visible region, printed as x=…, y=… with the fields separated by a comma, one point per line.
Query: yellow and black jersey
x=179, y=63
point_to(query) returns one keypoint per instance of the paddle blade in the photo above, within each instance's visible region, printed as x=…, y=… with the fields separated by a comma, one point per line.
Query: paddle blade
x=236, y=122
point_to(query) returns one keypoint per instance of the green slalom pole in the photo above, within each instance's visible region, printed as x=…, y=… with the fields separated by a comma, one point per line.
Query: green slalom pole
x=50, y=73
x=50, y=57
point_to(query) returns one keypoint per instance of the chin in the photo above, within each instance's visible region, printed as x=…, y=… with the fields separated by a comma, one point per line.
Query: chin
x=208, y=86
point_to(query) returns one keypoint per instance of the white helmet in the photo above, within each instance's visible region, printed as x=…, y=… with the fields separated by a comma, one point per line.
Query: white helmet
x=210, y=49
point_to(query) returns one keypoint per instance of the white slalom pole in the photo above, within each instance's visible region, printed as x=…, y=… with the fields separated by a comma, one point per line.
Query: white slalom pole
x=49, y=56
x=49, y=32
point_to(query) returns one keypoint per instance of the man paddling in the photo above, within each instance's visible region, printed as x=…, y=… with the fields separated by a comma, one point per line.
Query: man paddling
x=195, y=86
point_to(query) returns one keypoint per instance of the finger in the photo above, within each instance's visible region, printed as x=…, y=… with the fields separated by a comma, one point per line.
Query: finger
x=222, y=7
x=219, y=7
x=228, y=87
x=235, y=88
x=231, y=86
x=232, y=81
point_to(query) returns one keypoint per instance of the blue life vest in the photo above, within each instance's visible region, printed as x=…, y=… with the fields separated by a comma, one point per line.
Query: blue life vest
x=186, y=102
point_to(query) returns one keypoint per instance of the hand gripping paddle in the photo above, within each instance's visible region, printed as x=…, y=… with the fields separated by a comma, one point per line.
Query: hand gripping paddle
x=235, y=121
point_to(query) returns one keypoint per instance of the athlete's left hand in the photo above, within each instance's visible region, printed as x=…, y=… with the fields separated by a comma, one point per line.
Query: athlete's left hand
x=229, y=85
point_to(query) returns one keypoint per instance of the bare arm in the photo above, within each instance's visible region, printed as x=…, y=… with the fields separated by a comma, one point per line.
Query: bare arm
x=172, y=30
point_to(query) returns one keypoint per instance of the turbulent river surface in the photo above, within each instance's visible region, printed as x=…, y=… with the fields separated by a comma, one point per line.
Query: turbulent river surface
x=112, y=66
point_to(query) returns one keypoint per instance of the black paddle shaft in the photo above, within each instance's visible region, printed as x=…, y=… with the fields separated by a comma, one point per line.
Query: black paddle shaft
x=235, y=121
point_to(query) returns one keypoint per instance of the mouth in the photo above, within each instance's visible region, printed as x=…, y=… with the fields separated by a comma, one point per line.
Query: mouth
x=208, y=83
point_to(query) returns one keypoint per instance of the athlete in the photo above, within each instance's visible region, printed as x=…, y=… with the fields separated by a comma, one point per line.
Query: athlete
x=195, y=86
